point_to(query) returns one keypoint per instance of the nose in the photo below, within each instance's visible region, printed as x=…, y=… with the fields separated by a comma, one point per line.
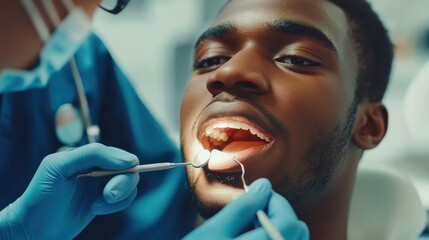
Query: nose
x=245, y=72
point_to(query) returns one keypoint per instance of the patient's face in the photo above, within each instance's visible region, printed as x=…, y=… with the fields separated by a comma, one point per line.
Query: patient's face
x=273, y=87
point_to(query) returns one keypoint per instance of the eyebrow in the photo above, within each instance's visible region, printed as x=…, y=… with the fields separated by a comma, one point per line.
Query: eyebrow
x=216, y=31
x=297, y=28
x=280, y=26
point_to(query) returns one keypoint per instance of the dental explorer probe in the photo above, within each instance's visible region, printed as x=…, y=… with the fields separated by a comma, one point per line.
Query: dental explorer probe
x=263, y=219
x=200, y=160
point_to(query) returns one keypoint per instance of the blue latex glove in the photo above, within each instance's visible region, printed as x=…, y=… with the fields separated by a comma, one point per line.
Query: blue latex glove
x=241, y=213
x=58, y=205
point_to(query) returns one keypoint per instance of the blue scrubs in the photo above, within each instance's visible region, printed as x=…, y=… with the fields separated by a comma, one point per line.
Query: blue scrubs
x=27, y=134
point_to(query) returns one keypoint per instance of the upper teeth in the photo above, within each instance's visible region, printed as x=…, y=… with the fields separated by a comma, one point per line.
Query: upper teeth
x=216, y=131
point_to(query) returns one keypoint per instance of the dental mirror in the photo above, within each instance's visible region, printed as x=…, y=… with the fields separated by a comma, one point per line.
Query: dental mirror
x=200, y=159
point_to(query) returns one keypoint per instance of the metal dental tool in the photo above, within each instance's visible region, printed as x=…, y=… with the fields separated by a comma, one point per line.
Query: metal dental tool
x=272, y=231
x=200, y=160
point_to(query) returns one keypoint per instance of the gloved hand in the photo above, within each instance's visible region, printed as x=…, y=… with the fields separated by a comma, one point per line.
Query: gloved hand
x=58, y=205
x=241, y=213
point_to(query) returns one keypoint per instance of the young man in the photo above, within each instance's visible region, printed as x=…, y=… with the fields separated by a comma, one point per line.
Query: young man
x=292, y=90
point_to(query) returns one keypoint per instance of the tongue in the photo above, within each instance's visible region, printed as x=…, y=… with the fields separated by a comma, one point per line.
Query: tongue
x=238, y=146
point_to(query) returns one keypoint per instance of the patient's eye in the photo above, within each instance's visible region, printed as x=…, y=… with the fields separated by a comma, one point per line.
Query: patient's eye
x=293, y=60
x=210, y=62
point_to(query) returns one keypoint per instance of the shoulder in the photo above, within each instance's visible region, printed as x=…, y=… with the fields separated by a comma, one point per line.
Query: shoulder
x=93, y=53
x=93, y=44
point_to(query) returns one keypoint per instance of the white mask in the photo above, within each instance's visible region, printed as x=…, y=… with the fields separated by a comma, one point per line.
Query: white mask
x=68, y=36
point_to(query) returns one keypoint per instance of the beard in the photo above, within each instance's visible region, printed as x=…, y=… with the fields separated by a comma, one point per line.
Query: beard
x=322, y=158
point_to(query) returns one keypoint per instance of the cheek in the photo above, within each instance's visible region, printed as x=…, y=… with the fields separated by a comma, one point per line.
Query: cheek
x=194, y=98
x=319, y=100
x=309, y=108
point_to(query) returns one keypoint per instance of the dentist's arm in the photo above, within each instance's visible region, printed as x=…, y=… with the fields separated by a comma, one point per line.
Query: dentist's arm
x=58, y=205
x=233, y=219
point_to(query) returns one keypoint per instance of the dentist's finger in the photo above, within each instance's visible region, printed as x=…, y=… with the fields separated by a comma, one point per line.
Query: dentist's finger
x=101, y=207
x=120, y=186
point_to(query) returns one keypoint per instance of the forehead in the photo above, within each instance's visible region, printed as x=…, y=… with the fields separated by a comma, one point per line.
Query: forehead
x=320, y=14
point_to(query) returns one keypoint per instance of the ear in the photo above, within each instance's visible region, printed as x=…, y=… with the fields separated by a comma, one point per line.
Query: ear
x=371, y=125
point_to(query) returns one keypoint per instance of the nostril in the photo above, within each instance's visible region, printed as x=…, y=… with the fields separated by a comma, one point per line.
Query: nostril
x=217, y=85
x=246, y=85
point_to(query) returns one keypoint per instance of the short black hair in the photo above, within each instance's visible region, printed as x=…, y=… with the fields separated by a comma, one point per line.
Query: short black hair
x=373, y=47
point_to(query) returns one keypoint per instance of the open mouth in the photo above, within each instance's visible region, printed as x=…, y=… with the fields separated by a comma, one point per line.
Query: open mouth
x=235, y=139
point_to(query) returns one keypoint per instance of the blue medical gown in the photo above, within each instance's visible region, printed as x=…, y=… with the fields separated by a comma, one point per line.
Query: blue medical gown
x=27, y=134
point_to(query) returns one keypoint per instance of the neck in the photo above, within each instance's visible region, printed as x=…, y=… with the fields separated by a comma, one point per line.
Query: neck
x=327, y=221
x=89, y=6
x=327, y=215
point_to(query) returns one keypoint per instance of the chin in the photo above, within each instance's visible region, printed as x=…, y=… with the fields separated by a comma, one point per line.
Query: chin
x=214, y=192
x=207, y=209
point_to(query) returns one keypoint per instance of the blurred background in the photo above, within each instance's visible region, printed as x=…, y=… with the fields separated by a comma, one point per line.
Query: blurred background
x=153, y=40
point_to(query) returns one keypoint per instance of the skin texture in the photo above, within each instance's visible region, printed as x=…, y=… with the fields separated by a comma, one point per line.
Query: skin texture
x=20, y=45
x=295, y=88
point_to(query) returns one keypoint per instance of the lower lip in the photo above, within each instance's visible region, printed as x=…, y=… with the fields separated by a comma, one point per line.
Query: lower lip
x=224, y=161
